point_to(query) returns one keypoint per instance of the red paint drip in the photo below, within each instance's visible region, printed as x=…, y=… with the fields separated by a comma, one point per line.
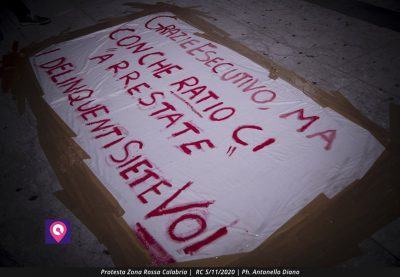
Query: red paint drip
x=159, y=255
x=188, y=104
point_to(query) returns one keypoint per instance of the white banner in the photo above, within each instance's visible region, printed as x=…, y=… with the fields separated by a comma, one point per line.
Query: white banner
x=205, y=153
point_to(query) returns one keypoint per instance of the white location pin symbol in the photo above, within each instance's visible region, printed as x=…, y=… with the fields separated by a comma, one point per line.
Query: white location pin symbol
x=58, y=230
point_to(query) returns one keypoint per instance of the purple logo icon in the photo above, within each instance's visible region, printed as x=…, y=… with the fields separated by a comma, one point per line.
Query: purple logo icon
x=57, y=231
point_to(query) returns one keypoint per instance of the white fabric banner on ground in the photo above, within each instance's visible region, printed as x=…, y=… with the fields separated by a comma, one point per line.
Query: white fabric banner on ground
x=206, y=154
